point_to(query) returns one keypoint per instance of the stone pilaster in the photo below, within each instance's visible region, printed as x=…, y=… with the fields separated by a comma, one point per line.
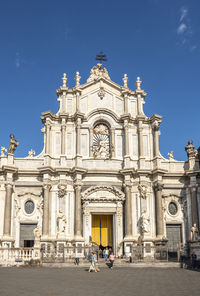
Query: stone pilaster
x=47, y=147
x=140, y=135
x=125, y=103
x=139, y=103
x=78, y=213
x=78, y=136
x=77, y=102
x=128, y=213
x=112, y=142
x=45, y=219
x=91, y=142
x=8, y=208
x=126, y=133
x=194, y=205
x=156, y=139
x=159, y=211
x=63, y=129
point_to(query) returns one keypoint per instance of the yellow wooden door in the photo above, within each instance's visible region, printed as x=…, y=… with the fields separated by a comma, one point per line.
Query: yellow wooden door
x=104, y=231
x=96, y=229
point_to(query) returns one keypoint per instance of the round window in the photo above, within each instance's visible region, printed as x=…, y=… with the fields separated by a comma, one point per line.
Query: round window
x=29, y=206
x=173, y=209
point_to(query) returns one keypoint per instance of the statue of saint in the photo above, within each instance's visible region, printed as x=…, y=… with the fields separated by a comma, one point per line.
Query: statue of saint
x=37, y=235
x=194, y=233
x=61, y=222
x=145, y=222
x=13, y=144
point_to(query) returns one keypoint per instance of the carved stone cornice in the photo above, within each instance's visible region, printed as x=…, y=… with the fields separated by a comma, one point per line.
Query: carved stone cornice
x=9, y=169
x=49, y=115
x=47, y=170
x=29, y=193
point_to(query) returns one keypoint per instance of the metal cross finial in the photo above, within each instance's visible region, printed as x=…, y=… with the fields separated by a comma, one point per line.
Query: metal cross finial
x=101, y=57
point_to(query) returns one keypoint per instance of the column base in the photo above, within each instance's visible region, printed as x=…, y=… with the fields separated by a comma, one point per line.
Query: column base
x=7, y=242
x=79, y=247
x=128, y=244
x=78, y=238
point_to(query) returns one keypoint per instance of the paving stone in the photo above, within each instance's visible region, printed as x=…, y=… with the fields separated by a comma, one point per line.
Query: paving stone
x=119, y=281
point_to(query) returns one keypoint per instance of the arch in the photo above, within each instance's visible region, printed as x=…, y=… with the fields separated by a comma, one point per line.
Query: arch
x=103, y=194
x=111, y=117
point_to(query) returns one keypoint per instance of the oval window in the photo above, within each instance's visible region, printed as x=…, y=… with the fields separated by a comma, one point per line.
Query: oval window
x=29, y=206
x=173, y=209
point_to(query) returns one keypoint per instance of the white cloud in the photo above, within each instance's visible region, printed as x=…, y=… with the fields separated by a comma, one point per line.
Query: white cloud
x=181, y=28
x=185, y=31
x=184, y=12
x=17, y=60
x=193, y=47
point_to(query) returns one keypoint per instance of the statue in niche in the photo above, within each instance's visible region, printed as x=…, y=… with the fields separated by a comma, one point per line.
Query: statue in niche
x=13, y=144
x=37, y=235
x=101, y=142
x=61, y=222
x=143, y=191
x=145, y=222
x=194, y=233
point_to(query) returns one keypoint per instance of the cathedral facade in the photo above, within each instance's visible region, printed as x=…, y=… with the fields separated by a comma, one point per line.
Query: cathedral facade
x=100, y=177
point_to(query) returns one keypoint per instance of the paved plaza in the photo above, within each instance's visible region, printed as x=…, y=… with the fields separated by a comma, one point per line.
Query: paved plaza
x=119, y=281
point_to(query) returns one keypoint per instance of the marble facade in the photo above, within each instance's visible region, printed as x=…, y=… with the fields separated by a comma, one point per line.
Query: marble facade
x=101, y=155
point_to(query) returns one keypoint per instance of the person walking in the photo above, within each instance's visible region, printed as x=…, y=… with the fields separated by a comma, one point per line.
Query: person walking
x=106, y=254
x=92, y=266
x=111, y=259
x=95, y=263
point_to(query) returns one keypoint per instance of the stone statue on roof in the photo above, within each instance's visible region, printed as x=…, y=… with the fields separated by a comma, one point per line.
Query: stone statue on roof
x=13, y=144
x=97, y=72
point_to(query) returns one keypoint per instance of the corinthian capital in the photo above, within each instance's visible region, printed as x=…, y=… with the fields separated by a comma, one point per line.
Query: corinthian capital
x=158, y=186
x=47, y=187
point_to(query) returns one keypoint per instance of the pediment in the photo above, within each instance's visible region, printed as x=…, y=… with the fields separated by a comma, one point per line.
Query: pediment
x=103, y=193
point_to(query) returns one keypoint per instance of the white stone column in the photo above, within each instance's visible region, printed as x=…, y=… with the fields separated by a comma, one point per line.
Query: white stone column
x=194, y=206
x=91, y=142
x=128, y=212
x=46, y=205
x=8, y=208
x=78, y=212
x=159, y=211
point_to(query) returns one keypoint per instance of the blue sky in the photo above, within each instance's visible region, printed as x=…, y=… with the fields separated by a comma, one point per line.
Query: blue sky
x=158, y=40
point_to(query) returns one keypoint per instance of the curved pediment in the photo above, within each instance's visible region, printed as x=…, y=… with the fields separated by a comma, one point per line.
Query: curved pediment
x=103, y=193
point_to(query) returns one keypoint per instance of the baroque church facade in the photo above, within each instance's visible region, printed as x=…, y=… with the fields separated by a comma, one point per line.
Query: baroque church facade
x=100, y=176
